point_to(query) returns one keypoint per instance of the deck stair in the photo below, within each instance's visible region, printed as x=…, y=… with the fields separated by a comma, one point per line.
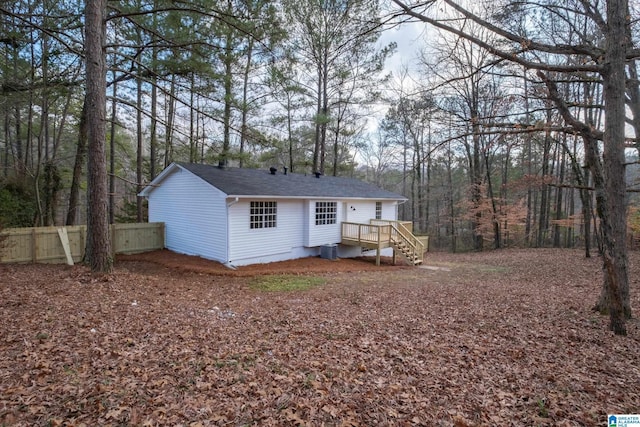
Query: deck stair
x=408, y=253
x=405, y=243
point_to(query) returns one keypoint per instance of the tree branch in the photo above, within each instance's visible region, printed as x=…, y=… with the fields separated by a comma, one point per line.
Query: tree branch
x=513, y=56
x=580, y=127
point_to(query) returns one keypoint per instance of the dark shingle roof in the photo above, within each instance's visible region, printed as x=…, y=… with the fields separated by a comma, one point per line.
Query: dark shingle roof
x=260, y=182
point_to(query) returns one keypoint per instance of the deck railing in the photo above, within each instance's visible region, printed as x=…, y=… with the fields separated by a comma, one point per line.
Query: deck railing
x=370, y=233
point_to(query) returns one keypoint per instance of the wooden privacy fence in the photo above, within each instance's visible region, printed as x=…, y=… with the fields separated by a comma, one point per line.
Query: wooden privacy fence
x=67, y=244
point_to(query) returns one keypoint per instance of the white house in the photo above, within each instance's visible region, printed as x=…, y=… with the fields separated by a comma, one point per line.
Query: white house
x=247, y=216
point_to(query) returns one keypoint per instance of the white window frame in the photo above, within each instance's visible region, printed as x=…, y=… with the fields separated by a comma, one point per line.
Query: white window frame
x=378, y=210
x=326, y=213
x=263, y=214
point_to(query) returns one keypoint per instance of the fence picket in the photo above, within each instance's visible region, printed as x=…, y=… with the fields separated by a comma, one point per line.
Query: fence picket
x=43, y=244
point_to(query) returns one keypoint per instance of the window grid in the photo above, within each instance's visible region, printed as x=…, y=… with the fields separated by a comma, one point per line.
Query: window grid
x=326, y=213
x=263, y=214
x=378, y=210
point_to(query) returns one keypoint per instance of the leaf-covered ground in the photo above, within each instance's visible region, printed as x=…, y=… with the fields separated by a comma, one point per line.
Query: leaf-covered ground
x=504, y=338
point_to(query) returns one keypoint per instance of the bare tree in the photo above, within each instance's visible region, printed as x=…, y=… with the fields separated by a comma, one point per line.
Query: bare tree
x=608, y=60
x=335, y=42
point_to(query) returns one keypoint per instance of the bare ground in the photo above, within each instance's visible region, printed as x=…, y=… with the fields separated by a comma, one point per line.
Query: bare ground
x=503, y=338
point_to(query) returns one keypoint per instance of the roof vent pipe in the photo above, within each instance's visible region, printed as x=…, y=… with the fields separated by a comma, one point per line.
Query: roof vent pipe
x=273, y=170
x=285, y=169
x=318, y=174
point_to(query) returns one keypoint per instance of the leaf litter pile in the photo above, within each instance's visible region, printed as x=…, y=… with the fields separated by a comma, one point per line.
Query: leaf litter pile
x=498, y=338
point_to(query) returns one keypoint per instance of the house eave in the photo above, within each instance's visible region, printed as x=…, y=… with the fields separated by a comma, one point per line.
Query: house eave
x=275, y=196
x=158, y=179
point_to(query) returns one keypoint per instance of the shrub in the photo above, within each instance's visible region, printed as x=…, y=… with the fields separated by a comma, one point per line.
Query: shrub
x=17, y=205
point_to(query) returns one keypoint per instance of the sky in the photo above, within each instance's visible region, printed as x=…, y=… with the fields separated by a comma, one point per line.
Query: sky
x=410, y=40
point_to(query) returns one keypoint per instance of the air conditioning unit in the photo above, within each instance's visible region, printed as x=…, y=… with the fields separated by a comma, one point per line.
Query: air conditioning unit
x=329, y=251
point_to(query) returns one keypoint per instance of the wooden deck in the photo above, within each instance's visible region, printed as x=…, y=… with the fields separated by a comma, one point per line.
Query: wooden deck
x=380, y=234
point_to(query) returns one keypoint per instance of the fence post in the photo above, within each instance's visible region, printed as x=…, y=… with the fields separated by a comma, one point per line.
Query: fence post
x=34, y=245
x=113, y=240
x=83, y=242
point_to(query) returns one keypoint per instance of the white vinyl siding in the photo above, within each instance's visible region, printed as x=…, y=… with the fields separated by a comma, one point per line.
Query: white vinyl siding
x=194, y=214
x=248, y=243
x=322, y=234
x=390, y=210
x=363, y=211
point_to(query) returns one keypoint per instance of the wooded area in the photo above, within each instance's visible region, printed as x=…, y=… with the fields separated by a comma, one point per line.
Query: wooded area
x=514, y=125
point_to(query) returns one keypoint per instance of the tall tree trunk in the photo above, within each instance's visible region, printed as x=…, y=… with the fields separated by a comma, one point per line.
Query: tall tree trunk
x=18, y=152
x=503, y=193
x=193, y=141
x=153, y=143
x=98, y=250
x=39, y=220
x=556, y=227
x=325, y=110
x=529, y=160
x=585, y=198
x=318, y=124
x=633, y=89
x=417, y=167
x=139, y=143
x=76, y=179
x=290, y=133
x=171, y=112
x=427, y=190
x=336, y=143
x=544, y=194
x=245, y=100
x=616, y=283
x=228, y=97
x=452, y=218
x=497, y=242
x=404, y=177
x=43, y=141
x=153, y=129
x=476, y=185
x=7, y=141
x=112, y=152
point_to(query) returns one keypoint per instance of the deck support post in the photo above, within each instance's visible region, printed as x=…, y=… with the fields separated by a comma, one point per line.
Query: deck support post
x=378, y=247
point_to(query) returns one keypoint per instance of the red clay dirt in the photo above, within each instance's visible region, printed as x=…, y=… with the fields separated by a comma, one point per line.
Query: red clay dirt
x=308, y=265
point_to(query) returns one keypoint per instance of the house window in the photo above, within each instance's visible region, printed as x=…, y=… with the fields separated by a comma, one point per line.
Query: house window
x=326, y=212
x=263, y=214
x=378, y=210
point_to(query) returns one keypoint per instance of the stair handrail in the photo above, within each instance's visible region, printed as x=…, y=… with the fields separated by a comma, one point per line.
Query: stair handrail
x=406, y=236
x=417, y=242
